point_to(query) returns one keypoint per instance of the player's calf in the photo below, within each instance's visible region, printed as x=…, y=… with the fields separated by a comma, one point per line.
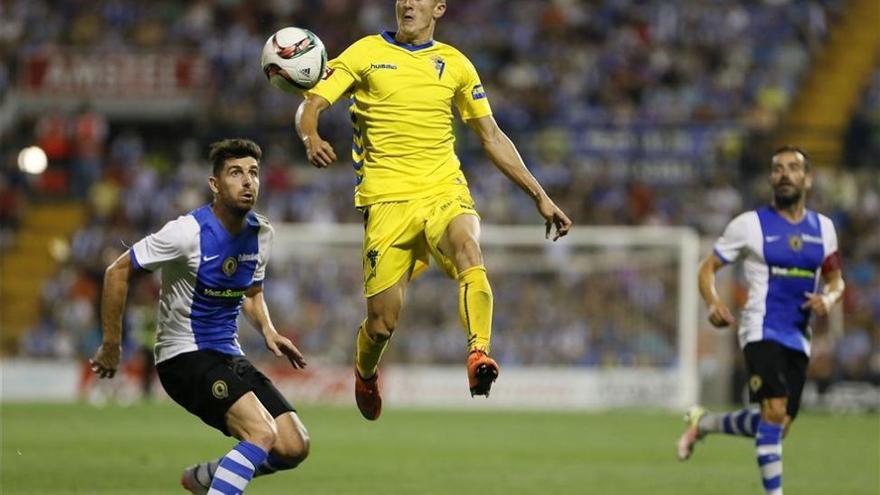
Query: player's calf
x=743, y=422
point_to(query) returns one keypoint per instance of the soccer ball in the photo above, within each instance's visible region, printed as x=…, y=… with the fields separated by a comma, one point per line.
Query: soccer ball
x=294, y=59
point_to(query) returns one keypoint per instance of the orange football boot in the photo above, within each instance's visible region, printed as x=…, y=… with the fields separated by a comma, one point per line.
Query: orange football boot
x=482, y=371
x=366, y=394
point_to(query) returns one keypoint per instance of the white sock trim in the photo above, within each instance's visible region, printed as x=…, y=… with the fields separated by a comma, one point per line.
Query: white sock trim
x=770, y=449
x=231, y=478
x=771, y=470
x=236, y=456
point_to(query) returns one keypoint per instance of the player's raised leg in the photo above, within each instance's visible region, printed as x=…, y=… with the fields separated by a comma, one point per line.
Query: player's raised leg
x=383, y=310
x=460, y=243
x=700, y=423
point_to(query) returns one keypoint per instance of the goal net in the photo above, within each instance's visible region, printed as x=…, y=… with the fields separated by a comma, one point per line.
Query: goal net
x=606, y=317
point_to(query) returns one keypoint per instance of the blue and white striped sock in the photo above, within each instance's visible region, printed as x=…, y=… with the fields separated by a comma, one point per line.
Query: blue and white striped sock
x=768, y=444
x=204, y=472
x=236, y=469
x=741, y=423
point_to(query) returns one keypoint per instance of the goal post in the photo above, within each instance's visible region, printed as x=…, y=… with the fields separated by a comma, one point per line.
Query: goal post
x=605, y=317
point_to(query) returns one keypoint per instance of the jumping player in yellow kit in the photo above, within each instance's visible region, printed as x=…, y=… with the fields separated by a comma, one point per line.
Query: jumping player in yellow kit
x=402, y=87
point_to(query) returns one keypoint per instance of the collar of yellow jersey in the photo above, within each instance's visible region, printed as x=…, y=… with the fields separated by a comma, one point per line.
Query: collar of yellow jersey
x=389, y=37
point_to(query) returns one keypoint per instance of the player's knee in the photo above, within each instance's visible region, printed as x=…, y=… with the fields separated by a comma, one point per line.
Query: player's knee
x=292, y=452
x=380, y=333
x=774, y=411
x=381, y=324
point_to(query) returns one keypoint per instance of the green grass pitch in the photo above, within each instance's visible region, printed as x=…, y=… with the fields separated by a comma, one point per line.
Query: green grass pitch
x=141, y=449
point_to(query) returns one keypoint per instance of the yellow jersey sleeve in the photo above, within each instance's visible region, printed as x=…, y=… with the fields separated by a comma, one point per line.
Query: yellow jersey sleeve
x=343, y=72
x=470, y=97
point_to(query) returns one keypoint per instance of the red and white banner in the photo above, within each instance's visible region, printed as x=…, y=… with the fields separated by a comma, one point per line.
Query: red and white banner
x=419, y=386
x=518, y=388
x=122, y=75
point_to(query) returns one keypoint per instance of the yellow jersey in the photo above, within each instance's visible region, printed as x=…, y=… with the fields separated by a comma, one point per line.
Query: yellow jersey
x=401, y=99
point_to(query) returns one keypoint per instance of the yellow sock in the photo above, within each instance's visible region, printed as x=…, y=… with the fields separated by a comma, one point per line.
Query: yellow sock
x=475, y=307
x=368, y=353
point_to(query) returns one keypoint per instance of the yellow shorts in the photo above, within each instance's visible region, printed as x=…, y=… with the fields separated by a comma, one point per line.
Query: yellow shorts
x=400, y=235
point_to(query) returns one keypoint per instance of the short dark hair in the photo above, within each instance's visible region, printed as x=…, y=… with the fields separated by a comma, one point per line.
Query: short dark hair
x=232, y=148
x=790, y=148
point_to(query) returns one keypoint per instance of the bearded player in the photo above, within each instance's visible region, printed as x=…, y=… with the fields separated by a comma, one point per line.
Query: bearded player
x=786, y=249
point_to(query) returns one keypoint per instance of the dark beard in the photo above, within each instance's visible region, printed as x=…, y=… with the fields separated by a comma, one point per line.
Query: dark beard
x=784, y=201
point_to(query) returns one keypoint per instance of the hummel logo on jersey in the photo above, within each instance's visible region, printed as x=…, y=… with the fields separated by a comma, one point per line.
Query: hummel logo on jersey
x=772, y=238
x=209, y=258
x=383, y=66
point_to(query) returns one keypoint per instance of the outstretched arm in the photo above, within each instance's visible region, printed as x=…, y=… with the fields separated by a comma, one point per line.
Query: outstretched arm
x=255, y=310
x=719, y=313
x=319, y=152
x=113, y=295
x=501, y=150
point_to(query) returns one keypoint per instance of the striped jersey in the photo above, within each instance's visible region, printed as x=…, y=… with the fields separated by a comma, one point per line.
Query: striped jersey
x=782, y=261
x=205, y=273
x=401, y=99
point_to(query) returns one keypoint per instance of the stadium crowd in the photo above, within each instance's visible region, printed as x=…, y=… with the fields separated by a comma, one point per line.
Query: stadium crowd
x=629, y=112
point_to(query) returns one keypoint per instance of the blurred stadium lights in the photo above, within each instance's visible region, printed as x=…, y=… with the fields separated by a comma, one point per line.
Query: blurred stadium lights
x=32, y=160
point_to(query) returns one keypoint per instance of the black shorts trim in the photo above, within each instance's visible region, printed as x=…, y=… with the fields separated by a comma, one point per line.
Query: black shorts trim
x=776, y=371
x=207, y=383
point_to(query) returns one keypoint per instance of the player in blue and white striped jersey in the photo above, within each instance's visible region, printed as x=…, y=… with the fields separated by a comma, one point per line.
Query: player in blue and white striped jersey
x=785, y=249
x=213, y=262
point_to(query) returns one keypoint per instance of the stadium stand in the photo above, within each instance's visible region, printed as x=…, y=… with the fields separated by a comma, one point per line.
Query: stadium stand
x=630, y=112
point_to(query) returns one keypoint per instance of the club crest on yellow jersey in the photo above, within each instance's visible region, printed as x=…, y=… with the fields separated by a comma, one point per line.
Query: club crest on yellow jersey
x=439, y=64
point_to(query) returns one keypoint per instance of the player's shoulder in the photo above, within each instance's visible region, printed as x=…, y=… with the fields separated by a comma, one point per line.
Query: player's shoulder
x=448, y=51
x=181, y=232
x=819, y=217
x=824, y=222
x=201, y=215
x=261, y=223
x=368, y=42
x=448, y=48
x=748, y=218
x=185, y=224
x=357, y=51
